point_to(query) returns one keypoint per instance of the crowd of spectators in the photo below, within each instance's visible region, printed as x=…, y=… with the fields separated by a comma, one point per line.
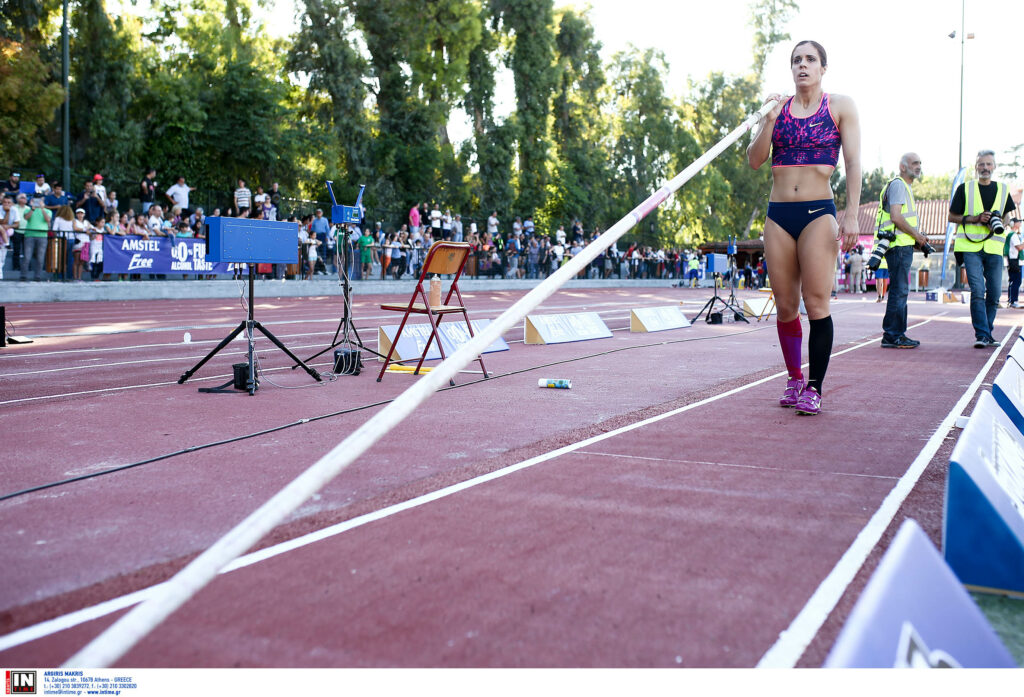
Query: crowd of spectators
x=36, y=214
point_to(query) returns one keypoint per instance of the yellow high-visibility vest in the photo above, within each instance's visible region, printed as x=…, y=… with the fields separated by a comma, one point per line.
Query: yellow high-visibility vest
x=909, y=211
x=976, y=238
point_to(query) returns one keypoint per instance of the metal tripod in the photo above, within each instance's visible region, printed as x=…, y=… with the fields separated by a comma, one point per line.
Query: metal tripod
x=250, y=324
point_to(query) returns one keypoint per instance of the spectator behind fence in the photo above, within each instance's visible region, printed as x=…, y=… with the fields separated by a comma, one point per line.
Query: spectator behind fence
x=147, y=189
x=8, y=222
x=42, y=188
x=366, y=252
x=275, y=198
x=111, y=203
x=36, y=229
x=259, y=199
x=435, y=220
x=243, y=199
x=56, y=198
x=113, y=224
x=178, y=193
x=197, y=219
x=11, y=186
x=139, y=226
x=80, y=243
x=63, y=226
x=457, y=228
x=320, y=228
x=95, y=253
x=101, y=191
x=414, y=219
x=91, y=202
x=156, y=223
x=18, y=239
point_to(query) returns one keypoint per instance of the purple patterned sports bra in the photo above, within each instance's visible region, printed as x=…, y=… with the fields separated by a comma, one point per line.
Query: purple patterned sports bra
x=804, y=142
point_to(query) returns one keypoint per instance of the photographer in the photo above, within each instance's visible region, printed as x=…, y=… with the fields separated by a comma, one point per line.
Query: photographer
x=980, y=236
x=897, y=221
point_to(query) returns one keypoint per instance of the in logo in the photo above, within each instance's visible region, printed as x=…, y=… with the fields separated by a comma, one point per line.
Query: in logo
x=21, y=682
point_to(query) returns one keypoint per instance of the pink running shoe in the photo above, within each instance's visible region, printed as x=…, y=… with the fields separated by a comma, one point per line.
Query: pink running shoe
x=809, y=403
x=791, y=396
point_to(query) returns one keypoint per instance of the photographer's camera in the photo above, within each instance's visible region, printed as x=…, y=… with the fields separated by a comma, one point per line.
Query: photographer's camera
x=885, y=238
x=995, y=223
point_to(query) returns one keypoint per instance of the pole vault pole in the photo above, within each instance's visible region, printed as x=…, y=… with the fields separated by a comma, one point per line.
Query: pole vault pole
x=121, y=636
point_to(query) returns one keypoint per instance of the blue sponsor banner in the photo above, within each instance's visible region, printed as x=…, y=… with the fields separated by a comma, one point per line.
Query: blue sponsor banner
x=162, y=255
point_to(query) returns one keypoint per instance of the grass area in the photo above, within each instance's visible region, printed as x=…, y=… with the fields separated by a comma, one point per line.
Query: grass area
x=1006, y=615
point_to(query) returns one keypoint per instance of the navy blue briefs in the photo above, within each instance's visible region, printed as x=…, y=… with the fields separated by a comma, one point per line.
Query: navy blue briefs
x=794, y=216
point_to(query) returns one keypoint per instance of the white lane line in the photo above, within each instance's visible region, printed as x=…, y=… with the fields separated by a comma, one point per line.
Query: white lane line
x=479, y=312
x=626, y=456
x=794, y=640
x=72, y=619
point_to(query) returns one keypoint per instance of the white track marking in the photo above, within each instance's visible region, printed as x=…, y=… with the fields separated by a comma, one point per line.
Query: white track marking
x=59, y=624
x=734, y=465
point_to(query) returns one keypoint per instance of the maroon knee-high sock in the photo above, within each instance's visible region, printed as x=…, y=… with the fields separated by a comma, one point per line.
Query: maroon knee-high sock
x=791, y=337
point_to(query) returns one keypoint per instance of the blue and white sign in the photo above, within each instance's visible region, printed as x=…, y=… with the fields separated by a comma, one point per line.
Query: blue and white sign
x=913, y=613
x=162, y=255
x=983, y=533
x=1008, y=390
x=414, y=339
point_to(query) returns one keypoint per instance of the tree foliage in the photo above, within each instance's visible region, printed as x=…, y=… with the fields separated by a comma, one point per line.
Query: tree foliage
x=768, y=19
x=529, y=27
x=364, y=92
x=27, y=103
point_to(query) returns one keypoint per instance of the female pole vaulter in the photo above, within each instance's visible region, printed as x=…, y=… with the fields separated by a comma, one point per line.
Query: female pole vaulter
x=803, y=134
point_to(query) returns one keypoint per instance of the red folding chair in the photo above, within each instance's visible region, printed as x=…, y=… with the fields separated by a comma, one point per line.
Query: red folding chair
x=443, y=259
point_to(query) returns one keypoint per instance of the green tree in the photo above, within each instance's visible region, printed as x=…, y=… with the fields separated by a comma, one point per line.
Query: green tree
x=215, y=106
x=26, y=20
x=104, y=134
x=27, y=103
x=767, y=18
x=645, y=132
x=529, y=26
x=1011, y=163
x=580, y=129
x=718, y=106
x=493, y=143
x=933, y=187
x=418, y=70
x=323, y=52
x=871, y=186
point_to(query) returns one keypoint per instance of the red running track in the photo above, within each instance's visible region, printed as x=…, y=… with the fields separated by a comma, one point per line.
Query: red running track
x=692, y=541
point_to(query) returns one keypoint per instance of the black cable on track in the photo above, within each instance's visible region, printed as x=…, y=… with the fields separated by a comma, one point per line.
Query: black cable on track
x=300, y=422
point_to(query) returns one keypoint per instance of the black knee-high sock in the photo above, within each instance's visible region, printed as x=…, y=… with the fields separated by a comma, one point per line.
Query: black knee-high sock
x=819, y=348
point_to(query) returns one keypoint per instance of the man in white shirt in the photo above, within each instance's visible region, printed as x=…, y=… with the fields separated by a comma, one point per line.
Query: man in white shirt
x=435, y=221
x=178, y=195
x=155, y=223
x=492, y=223
x=42, y=188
